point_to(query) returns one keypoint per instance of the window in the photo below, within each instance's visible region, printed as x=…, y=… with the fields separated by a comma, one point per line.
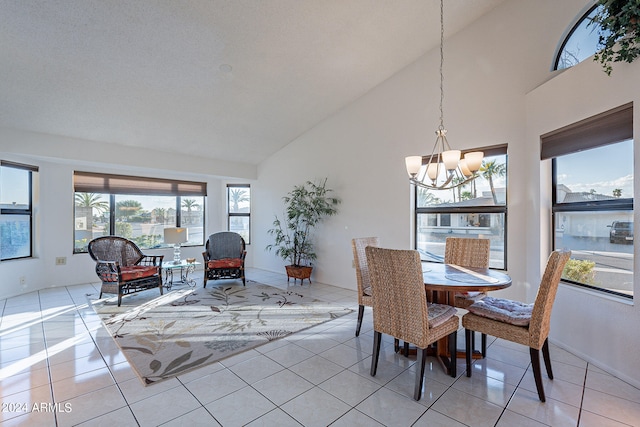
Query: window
x=16, y=210
x=592, y=167
x=477, y=209
x=239, y=210
x=580, y=43
x=136, y=208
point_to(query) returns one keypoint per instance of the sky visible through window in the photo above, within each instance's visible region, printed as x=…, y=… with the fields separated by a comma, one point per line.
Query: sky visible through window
x=581, y=44
x=602, y=169
x=14, y=186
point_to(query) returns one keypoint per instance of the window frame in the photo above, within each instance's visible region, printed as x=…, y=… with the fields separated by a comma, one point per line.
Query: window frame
x=495, y=209
x=22, y=212
x=561, y=47
x=231, y=215
x=610, y=127
x=111, y=185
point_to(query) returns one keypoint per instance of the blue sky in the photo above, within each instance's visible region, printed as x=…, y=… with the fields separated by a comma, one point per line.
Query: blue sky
x=602, y=169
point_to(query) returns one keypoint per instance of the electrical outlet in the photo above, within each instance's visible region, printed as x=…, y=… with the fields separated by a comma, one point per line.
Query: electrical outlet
x=61, y=260
x=23, y=280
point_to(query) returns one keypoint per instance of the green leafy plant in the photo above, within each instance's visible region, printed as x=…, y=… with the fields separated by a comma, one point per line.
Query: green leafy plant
x=580, y=271
x=305, y=206
x=619, y=32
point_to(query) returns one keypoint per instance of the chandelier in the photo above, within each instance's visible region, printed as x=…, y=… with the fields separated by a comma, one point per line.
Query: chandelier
x=444, y=169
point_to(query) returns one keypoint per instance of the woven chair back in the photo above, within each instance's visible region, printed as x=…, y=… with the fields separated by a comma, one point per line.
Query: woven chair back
x=467, y=252
x=225, y=244
x=114, y=248
x=399, y=296
x=541, y=315
x=362, y=267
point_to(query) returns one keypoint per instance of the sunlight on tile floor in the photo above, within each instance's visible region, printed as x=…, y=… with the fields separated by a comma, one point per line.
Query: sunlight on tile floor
x=59, y=367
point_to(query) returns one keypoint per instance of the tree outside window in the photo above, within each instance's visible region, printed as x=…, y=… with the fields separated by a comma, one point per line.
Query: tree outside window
x=239, y=210
x=476, y=209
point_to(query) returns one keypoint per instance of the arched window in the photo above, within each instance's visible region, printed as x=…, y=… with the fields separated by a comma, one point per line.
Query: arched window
x=580, y=42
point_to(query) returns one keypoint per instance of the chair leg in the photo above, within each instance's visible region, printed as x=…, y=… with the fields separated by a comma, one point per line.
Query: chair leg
x=377, y=337
x=535, y=365
x=468, y=349
x=396, y=345
x=547, y=358
x=406, y=349
x=473, y=341
x=360, y=315
x=204, y=280
x=119, y=298
x=484, y=346
x=453, y=351
x=421, y=359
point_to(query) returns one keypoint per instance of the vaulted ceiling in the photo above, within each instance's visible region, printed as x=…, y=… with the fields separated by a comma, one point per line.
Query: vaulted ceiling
x=228, y=79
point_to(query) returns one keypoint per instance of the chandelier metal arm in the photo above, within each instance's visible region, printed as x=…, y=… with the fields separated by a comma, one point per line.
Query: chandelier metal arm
x=445, y=185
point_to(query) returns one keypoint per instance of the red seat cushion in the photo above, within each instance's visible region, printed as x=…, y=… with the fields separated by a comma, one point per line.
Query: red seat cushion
x=133, y=272
x=225, y=263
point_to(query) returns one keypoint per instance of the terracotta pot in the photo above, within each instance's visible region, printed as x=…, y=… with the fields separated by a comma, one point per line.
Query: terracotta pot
x=299, y=272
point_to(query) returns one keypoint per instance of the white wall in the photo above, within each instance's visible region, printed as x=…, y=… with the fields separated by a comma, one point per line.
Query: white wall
x=599, y=329
x=489, y=67
x=57, y=158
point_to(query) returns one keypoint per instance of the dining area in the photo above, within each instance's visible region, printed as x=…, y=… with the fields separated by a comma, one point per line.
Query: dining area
x=423, y=304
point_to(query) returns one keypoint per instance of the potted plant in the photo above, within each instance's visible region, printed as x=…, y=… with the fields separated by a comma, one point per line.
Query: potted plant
x=305, y=206
x=619, y=32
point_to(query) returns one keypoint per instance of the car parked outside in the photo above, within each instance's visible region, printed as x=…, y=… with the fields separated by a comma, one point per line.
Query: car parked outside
x=621, y=232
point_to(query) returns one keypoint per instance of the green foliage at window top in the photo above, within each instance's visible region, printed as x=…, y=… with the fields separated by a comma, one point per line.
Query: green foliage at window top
x=619, y=32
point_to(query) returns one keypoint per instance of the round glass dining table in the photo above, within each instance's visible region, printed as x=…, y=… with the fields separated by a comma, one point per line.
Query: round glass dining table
x=447, y=279
x=443, y=281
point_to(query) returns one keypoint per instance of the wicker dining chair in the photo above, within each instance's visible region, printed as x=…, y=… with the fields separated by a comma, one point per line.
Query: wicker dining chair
x=526, y=324
x=468, y=252
x=400, y=308
x=362, y=274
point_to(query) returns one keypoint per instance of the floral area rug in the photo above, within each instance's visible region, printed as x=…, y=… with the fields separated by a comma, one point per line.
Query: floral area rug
x=165, y=336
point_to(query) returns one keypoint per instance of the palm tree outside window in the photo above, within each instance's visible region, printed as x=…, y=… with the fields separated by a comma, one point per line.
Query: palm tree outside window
x=239, y=210
x=137, y=208
x=476, y=209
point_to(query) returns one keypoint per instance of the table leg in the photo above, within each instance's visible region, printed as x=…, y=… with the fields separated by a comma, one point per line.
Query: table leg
x=184, y=275
x=168, y=278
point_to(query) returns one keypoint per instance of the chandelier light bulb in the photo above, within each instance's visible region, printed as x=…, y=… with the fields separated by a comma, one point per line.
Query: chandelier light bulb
x=432, y=171
x=413, y=163
x=464, y=169
x=474, y=160
x=450, y=159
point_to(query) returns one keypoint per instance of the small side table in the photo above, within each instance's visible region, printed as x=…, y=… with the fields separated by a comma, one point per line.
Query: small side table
x=184, y=267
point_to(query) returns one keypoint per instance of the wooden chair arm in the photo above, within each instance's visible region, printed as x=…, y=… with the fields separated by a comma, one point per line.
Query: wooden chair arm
x=151, y=260
x=108, y=271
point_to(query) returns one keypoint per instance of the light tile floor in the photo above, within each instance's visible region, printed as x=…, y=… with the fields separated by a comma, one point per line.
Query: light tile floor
x=58, y=366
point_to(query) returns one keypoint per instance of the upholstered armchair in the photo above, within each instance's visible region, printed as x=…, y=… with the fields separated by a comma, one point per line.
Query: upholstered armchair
x=123, y=268
x=224, y=257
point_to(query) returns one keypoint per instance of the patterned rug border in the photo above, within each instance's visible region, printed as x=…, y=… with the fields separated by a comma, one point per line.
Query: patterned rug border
x=141, y=346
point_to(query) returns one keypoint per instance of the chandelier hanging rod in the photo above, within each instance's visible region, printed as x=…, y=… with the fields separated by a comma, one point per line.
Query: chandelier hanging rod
x=447, y=162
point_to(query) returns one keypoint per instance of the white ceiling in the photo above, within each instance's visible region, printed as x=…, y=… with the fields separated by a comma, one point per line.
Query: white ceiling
x=233, y=80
